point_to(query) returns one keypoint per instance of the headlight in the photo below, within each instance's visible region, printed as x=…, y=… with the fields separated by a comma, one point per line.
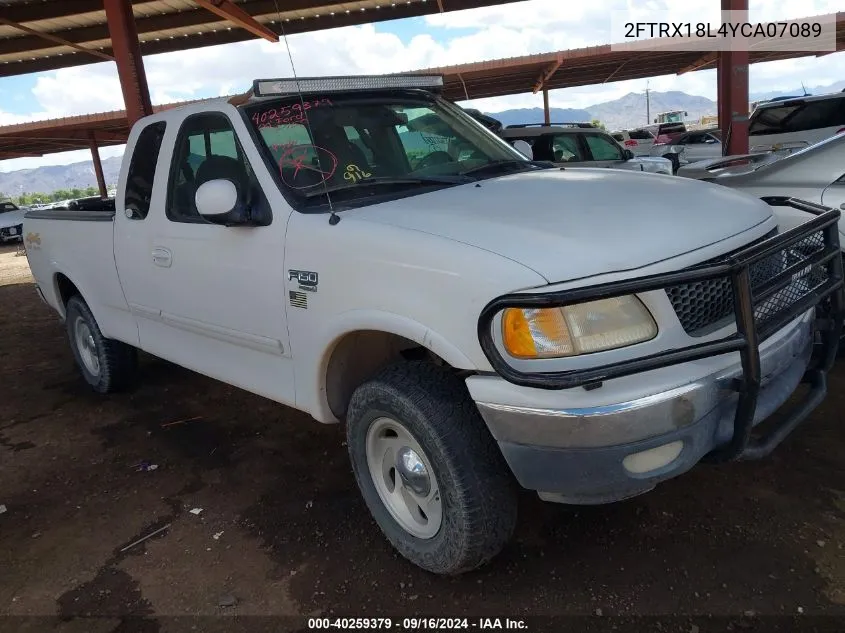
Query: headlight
x=583, y=328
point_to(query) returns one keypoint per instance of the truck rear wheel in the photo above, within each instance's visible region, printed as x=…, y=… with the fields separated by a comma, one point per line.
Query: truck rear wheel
x=428, y=468
x=107, y=365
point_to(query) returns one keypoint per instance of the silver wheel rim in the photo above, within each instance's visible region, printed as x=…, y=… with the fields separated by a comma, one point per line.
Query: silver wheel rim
x=86, y=346
x=404, y=478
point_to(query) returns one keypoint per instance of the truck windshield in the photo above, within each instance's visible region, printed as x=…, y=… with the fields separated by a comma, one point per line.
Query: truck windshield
x=356, y=146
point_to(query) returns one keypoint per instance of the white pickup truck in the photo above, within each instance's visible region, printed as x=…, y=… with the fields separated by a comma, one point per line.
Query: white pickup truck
x=365, y=251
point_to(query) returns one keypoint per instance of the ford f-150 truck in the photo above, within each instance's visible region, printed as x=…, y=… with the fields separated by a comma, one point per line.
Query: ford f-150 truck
x=363, y=250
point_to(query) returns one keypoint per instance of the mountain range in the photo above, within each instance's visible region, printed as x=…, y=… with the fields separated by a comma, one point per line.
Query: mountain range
x=626, y=112
x=51, y=178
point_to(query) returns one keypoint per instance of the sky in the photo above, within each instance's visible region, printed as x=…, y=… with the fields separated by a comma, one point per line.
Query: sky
x=520, y=28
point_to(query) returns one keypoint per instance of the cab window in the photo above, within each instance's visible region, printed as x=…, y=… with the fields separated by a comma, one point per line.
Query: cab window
x=142, y=169
x=565, y=149
x=207, y=149
x=603, y=148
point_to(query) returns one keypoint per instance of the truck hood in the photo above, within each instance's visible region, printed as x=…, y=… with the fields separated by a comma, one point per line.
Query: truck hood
x=11, y=218
x=576, y=223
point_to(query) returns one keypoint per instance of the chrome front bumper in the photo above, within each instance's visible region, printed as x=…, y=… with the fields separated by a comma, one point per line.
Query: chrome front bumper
x=656, y=414
x=605, y=454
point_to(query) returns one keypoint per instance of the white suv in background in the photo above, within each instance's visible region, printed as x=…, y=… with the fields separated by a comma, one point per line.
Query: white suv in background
x=792, y=124
x=638, y=141
x=581, y=145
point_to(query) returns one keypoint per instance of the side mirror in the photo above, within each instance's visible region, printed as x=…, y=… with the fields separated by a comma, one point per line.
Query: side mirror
x=627, y=154
x=524, y=148
x=217, y=201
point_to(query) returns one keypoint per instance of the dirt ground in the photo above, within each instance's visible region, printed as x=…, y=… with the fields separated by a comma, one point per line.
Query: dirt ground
x=283, y=532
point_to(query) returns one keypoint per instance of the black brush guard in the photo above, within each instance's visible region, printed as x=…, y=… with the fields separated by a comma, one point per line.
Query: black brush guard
x=828, y=297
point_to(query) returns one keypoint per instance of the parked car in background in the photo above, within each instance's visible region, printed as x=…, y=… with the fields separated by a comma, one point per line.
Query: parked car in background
x=492, y=124
x=639, y=141
x=700, y=144
x=11, y=222
x=665, y=135
x=581, y=145
x=793, y=124
x=815, y=174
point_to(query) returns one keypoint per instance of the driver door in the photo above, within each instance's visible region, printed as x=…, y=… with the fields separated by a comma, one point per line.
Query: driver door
x=205, y=296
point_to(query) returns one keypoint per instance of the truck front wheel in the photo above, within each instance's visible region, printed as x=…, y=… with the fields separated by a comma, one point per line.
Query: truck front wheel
x=107, y=365
x=428, y=468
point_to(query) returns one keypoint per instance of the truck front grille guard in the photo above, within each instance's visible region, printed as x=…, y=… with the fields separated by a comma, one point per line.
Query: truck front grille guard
x=828, y=296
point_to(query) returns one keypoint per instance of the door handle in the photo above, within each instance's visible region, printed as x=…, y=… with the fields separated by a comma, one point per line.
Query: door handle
x=162, y=257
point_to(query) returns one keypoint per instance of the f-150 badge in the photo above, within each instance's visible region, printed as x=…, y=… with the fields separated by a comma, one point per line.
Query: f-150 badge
x=306, y=279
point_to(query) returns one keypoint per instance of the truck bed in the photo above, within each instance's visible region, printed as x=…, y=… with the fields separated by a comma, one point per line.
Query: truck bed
x=93, y=209
x=78, y=215
x=81, y=241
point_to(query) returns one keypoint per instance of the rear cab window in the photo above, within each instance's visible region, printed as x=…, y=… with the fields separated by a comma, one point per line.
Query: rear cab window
x=142, y=168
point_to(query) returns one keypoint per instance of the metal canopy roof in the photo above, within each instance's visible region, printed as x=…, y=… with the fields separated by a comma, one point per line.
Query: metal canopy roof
x=69, y=133
x=38, y=35
x=562, y=69
x=586, y=66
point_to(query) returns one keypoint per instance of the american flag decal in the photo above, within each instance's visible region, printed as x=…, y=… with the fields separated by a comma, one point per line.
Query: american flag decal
x=299, y=299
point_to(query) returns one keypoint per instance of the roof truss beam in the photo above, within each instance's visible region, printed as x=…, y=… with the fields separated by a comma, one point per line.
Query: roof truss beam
x=699, y=63
x=32, y=11
x=257, y=10
x=224, y=36
x=615, y=71
x=547, y=74
x=234, y=14
x=55, y=39
x=102, y=136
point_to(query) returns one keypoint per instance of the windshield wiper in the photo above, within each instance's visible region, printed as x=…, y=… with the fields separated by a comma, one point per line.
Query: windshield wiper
x=390, y=181
x=496, y=164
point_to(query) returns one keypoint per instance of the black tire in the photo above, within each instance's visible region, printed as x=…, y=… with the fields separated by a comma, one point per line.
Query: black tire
x=117, y=361
x=478, y=492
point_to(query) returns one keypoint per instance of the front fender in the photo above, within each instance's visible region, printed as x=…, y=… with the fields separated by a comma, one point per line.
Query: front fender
x=311, y=389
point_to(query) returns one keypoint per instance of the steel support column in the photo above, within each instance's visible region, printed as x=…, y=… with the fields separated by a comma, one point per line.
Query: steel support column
x=98, y=166
x=127, y=54
x=732, y=77
x=546, y=115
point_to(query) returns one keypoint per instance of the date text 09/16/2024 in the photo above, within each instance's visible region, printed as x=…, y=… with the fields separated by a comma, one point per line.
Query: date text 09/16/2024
x=417, y=624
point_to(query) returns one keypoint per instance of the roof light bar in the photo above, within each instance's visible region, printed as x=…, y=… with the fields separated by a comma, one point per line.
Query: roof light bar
x=276, y=87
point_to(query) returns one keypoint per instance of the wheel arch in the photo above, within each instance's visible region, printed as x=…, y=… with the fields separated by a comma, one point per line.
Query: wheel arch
x=359, y=345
